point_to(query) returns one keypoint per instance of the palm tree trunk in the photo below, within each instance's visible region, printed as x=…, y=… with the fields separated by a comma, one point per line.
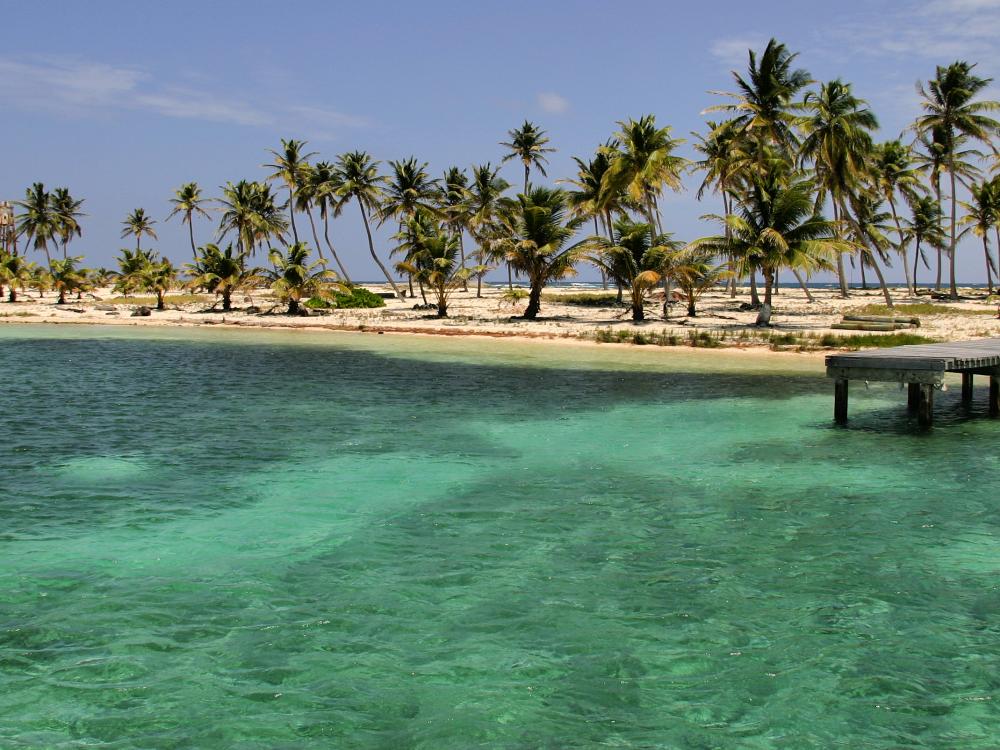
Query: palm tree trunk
x=312, y=225
x=666, y=297
x=881, y=281
x=510, y=277
x=194, y=251
x=940, y=263
x=371, y=249
x=768, y=286
x=802, y=283
x=861, y=263
x=336, y=258
x=954, y=219
x=461, y=250
x=534, y=300
x=754, y=295
x=638, y=313
x=989, y=270
x=840, y=256
x=729, y=238
x=910, y=287
x=291, y=212
x=527, y=169
x=916, y=259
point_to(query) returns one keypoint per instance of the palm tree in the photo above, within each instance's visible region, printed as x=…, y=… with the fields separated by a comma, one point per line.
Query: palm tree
x=533, y=236
x=158, y=278
x=981, y=215
x=432, y=256
x=39, y=223
x=187, y=202
x=868, y=231
x=137, y=224
x=726, y=161
x=407, y=190
x=950, y=106
x=643, y=164
x=221, y=273
x=294, y=278
x=696, y=273
x=925, y=226
x=324, y=191
x=838, y=143
x=486, y=201
x=358, y=178
x=527, y=143
x=130, y=264
x=305, y=196
x=291, y=167
x=250, y=210
x=66, y=277
x=635, y=259
x=589, y=200
x=15, y=274
x=763, y=105
x=893, y=173
x=777, y=226
x=453, y=205
x=67, y=213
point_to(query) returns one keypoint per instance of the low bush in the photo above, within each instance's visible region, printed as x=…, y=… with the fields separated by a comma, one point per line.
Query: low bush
x=357, y=297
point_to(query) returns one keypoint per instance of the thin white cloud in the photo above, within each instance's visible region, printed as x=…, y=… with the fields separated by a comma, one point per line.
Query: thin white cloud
x=553, y=103
x=733, y=51
x=81, y=88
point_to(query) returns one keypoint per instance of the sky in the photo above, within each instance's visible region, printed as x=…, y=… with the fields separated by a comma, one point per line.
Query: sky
x=122, y=102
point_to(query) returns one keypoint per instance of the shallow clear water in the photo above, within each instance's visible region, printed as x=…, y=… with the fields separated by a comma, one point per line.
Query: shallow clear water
x=255, y=540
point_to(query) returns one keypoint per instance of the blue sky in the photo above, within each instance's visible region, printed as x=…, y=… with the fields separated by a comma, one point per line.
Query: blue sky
x=123, y=102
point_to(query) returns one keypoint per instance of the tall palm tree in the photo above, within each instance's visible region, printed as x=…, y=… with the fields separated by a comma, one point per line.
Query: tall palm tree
x=528, y=144
x=644, y=164
x=137, y=224
x=868, y=230
x=925, y=226
x=486, y=200
x=250, y=210
x=291, y=167
x=453, y=205
x=39, y=223
x=306, y=194
x=534, y=237
x=588, y=200
x=634, y=258
x=838, y=142
x=324, y=189
x=408, y=189
x=294, y=278
x=763, y=106
x=981, y=215
x=187, y=202
x=894, y=173
x=67, y=213
x=358, y=178
x=950, y=105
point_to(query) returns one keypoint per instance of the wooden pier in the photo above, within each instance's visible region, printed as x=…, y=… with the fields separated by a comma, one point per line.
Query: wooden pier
x=922, y=367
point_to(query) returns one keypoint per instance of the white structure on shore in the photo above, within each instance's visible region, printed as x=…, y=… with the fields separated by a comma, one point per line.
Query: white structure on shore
x=8, y=230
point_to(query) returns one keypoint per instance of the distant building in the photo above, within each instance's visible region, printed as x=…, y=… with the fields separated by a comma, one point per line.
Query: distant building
x=7, y=228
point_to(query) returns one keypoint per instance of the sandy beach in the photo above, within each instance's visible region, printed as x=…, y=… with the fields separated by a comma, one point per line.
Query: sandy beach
x=719, y=315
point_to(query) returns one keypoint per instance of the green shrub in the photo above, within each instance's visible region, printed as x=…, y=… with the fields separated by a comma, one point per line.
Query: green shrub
x=356, y=298
x=586, y=299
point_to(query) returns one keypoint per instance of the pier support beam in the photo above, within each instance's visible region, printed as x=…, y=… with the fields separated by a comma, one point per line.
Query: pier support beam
x=913, y=396
x=925, y=405
x=995, y=395
x=966, y=387
x=840, y=401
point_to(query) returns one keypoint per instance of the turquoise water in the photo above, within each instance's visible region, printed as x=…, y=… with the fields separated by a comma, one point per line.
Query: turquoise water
x=270, y=540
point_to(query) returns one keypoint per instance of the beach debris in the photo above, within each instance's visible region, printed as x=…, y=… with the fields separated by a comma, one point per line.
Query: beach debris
x=764, y=316
x=105, y=308
x=142, y=312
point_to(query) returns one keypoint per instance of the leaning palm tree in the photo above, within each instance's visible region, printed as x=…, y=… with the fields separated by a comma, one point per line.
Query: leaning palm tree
x=588, y=200
x=838, y=143
x=635, y=258
x=221, y=273
x=324, y=189
x=291, y=167
x=39, y=224
x=951, y=106
x=777, y=226
x=486, y=201
x=894, y=173
x=66, y=277
x=187, y=202
x=137, y=224
x=358, y=178
x=534, y=236
x=643, y=164
x=293, y=278
x=67, y=214
x=981, y=215
x=528, y=144
x=925, y=227
x=868, y=231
